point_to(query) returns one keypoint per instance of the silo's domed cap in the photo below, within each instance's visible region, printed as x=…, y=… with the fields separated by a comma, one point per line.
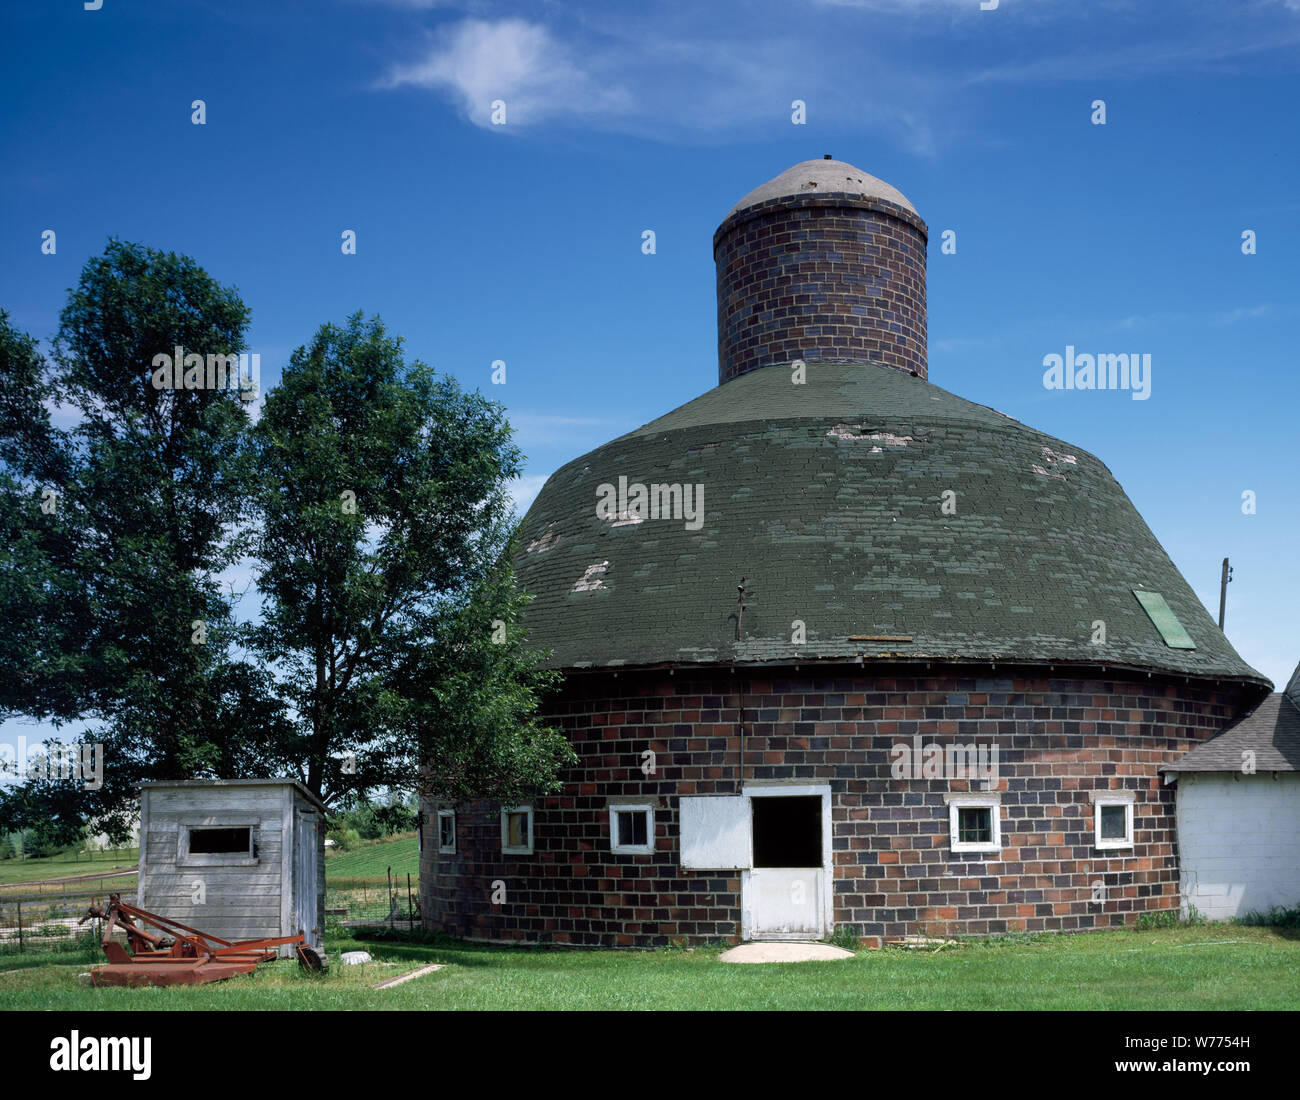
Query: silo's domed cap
x=824, y=176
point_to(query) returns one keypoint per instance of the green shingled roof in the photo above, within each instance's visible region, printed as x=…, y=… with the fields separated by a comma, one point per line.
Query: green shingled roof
x=828, y=498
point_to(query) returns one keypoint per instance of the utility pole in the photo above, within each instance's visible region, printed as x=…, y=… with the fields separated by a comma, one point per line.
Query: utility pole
x=1224, y=578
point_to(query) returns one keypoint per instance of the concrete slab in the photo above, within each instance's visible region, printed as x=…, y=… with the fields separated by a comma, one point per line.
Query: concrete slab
x=407, y=977
x=783, y=953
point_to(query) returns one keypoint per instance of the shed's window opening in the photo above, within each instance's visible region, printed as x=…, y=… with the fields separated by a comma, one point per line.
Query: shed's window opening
x=211, y=842
x=447, y=830
x=517, y=830
x=787, y=831
x=975, y=824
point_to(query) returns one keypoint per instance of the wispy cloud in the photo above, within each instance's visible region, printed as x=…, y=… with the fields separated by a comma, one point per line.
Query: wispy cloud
x=1221, y=317
x=523, y=491
x=1109, y=61
x=904, y=69
x=522, y=64
x=547, y=429
x=670, y=79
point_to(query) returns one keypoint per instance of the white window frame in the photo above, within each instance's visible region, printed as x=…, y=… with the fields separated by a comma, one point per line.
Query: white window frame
x=991, y=802
x=506, y=850
x=615, y=808
x=1112, y=798
x=447, y=850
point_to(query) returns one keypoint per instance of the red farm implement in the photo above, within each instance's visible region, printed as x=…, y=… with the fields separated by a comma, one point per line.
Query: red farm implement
x=180, y=955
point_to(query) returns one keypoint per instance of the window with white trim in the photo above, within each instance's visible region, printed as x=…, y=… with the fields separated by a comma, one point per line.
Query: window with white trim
x=1113, y=822
x=447, y=832
x=517, y=831
x=632, y=828
x=233, y=845
x=974, y=823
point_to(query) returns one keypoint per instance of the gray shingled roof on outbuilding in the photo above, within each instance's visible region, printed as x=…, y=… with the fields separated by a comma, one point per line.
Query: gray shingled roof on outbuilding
x=1292, y=689
x=1271, y=732
x=827, y=497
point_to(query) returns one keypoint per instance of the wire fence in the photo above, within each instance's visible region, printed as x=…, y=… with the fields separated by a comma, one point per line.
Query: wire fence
x=117, y=882
x=43, y=918
x=41, y=924
x=394, y=901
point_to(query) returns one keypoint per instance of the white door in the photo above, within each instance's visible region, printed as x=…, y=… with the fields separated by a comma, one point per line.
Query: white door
x=785, y=895
x=785, y=903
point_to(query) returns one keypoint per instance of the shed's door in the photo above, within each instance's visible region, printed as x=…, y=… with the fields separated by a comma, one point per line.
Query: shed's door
x=304, y=877
x=784, y=894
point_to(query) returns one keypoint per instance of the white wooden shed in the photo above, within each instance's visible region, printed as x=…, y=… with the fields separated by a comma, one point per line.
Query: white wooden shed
x=1239, y=812
x=239, y=858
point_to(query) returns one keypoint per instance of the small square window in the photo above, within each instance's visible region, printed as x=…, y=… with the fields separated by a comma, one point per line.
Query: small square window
x=517, y=830
x=216, y=846
x=211, y=842
x=632, y=829
x=974, y=823
x=447, y=831
x=1113, y=823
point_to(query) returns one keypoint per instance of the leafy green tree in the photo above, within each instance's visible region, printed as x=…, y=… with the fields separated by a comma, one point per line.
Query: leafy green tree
x=383, y=534
x=125, y=624
x=372, y=495
x=41, y=653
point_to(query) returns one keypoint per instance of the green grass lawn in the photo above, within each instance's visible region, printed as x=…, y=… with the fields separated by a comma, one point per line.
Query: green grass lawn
x=372, y=859
x=29, y=870
x=1198, y=967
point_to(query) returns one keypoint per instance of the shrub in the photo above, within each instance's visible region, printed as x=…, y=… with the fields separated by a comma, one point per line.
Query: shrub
x=846, y=936
x=1169, y=918
x=1276, y=916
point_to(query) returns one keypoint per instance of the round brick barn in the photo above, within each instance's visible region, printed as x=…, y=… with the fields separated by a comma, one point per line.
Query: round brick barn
x=840, y=647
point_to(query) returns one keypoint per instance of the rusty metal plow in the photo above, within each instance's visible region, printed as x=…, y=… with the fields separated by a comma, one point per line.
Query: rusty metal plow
x=180, y=955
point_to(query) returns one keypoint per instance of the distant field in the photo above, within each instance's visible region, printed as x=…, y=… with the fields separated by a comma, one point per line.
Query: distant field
x=369, y=860
x=373, y=858
x=29, y=870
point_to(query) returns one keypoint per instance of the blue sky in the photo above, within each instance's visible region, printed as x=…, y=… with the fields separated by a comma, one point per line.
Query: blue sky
x=522, y=242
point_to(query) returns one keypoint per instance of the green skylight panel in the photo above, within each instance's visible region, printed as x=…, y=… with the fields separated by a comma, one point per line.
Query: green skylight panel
x=1162, y=615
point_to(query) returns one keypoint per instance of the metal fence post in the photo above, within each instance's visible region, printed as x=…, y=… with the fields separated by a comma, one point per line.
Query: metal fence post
x=20, y=927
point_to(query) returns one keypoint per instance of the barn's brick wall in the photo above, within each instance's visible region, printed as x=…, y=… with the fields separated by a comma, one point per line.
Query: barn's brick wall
x=894, y=872
x=830, y=277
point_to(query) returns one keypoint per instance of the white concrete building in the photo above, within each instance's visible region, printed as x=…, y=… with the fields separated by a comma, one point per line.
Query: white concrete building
x=1239, y=812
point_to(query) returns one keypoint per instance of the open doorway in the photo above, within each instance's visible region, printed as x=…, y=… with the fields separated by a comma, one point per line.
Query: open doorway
x=788, y=831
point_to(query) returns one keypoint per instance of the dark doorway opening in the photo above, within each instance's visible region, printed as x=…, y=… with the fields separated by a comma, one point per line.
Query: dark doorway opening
x=787, y=831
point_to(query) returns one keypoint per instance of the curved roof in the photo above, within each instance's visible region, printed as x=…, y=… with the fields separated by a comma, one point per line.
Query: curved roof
x=823, y=177
x=827, y=498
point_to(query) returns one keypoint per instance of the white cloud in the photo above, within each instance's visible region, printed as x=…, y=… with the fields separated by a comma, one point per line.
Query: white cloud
x=903, y=69
x=661, y=80
x=545, y=429
x=419, y=5
x=1213, y=317
x=523, y=491
x=524, y=64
